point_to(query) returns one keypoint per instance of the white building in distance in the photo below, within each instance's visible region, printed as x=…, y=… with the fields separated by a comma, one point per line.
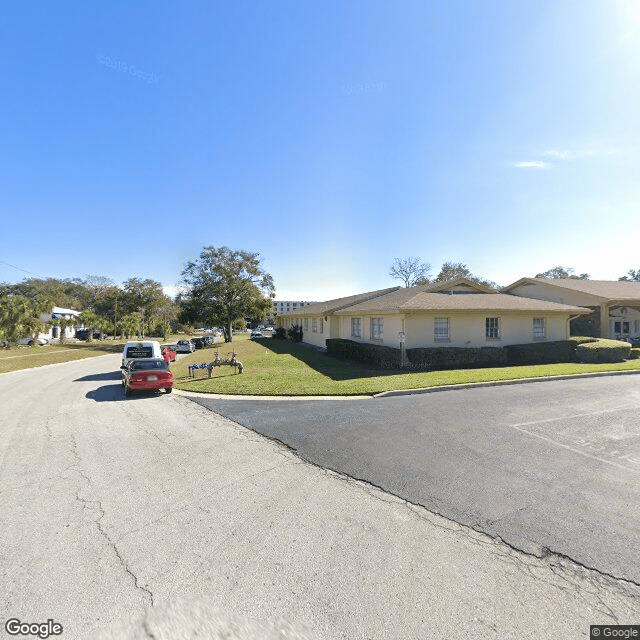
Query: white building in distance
x=287, y=306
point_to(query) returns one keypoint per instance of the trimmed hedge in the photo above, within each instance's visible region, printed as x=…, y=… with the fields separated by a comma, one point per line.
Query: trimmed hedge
x=603, y=351
x=542, y=352
x=634, y=354
x=439, y=358
x=373, y=354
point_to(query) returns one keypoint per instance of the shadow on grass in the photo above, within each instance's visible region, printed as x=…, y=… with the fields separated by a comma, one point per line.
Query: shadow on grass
x=326, y=365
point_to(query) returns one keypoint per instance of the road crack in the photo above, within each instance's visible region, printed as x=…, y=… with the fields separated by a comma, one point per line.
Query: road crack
x=97, y=505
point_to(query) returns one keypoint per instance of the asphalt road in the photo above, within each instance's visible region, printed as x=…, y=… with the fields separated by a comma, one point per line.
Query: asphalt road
x=544, y=466
x=153, y=517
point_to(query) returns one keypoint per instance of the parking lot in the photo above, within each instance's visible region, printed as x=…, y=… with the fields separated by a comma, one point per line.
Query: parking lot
x=544, y=466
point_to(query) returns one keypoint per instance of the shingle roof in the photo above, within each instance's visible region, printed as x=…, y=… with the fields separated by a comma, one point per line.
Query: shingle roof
x=606, y=289
x=447, y=284
x=330, y=306
x=416, y=299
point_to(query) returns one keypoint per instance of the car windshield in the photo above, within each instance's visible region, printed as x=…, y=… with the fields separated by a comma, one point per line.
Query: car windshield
x=148, y=365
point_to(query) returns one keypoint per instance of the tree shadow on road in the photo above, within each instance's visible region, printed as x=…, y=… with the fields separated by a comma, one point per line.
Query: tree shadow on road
x=99, y=377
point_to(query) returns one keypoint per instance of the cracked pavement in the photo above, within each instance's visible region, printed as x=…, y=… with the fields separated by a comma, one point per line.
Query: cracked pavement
x=153, y=517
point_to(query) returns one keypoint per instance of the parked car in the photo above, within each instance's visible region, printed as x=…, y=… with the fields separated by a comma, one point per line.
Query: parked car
x=198, y=343
x=168, y=354
x=257, y=334
x=83, y=334
x=146, y=375
x=184, y=346
x=30, y=341
x=139, y=349
x=208, y=340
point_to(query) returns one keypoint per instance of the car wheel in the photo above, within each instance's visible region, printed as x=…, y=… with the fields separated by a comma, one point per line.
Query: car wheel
x=127, y=391
x=30, y=343
x=169, y=389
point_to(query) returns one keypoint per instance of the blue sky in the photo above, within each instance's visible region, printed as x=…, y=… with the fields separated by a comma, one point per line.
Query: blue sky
x=330, y=137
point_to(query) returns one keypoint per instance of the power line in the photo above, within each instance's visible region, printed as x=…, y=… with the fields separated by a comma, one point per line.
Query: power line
x=13, y=266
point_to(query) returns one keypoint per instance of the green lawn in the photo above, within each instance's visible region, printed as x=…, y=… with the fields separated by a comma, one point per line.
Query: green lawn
x=277, y=367
x=27, y=357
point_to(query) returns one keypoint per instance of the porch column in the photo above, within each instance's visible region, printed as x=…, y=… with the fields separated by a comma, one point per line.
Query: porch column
x=604, y=321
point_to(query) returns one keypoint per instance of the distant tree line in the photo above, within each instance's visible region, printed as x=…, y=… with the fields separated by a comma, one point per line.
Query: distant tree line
x=137, y=307
x=413, y=272
x=222, y=287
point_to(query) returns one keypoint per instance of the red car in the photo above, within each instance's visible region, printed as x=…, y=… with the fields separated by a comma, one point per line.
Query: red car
x=146, y=375
x=168, y=354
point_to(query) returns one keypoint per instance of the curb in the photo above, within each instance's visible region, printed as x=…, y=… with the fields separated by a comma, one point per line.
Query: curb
x=499, y=383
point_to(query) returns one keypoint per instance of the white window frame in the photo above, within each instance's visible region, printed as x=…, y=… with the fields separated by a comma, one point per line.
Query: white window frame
x=306, y=324
x=314, y=325
x=492, y=330
x=377, y=329
x=441, y=329
x=321, y=325
x=356, y=327
x=540, y=331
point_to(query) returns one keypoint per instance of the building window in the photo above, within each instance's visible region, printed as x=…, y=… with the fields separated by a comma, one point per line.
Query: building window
x=356, y=328
x=492, y=328
x=314, y=325
x=539, y=328
x=441, y=329
x=636, y=326
x=321, y=326
x=377, y=328
x=306, y=324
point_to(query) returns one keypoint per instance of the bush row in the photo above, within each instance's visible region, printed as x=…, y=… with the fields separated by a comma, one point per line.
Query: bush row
x=373, y=354
x=603, y=351
x=438, y=358
x=574, y=350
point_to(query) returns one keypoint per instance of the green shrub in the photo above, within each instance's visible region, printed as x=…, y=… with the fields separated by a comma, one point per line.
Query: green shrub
x=544, y=352
x=634, y=354
x=439, y=358
x=295, y=333
x=603, y=351
x=280, y=332
x=372, y=354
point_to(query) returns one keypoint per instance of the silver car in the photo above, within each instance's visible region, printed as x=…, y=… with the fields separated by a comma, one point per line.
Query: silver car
x=184, y=346
x=29, y=341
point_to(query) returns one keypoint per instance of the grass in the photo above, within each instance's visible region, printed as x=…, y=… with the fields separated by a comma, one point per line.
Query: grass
x=27, y=357
x=17, y=358
x=278, y=367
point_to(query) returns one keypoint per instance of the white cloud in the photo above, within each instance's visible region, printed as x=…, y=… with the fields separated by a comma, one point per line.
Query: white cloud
x=531, y=164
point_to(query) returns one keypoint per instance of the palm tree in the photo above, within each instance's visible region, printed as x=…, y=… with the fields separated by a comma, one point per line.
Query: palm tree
x=63, y=323
x=92, y=321
x=19, y=315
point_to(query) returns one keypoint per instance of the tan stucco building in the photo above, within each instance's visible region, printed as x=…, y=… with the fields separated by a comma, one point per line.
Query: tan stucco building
x=459, y=313
x=614, y=305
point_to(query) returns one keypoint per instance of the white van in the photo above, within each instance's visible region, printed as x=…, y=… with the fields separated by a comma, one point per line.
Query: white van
x=141, y=350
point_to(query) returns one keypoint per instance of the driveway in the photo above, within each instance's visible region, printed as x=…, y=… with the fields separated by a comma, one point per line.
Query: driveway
x=544, y=466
